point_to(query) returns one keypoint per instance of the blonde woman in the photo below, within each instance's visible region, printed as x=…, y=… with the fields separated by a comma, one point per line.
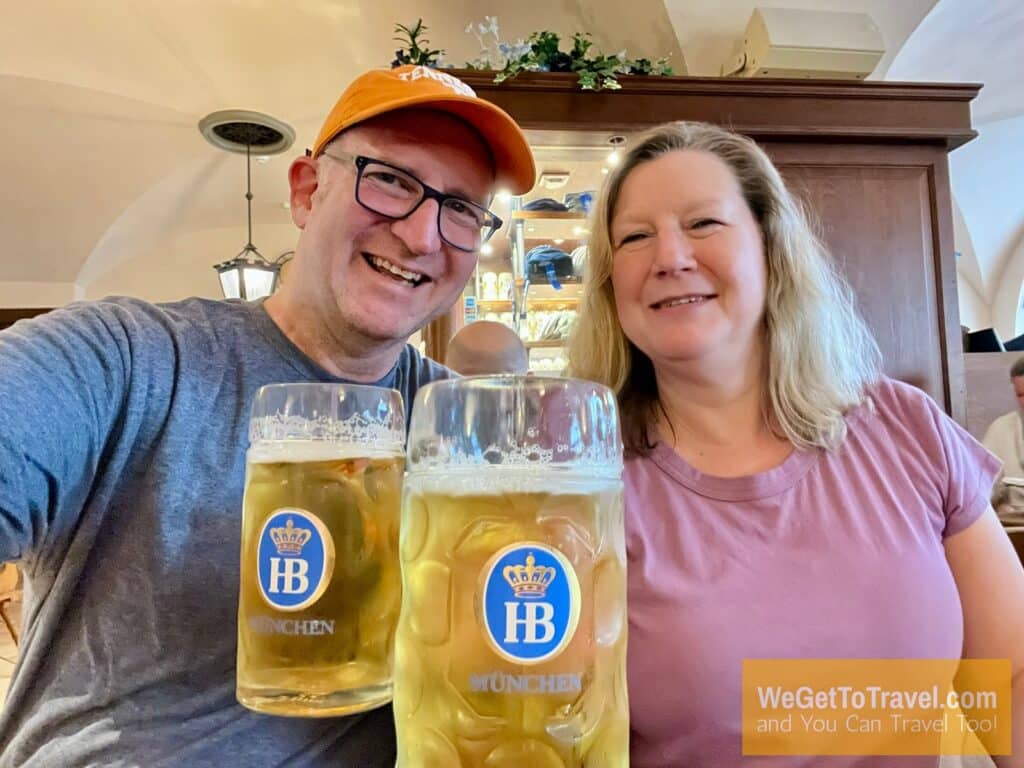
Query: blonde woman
x=784, y=499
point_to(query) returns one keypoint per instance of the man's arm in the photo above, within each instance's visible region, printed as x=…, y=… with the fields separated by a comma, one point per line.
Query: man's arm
x=62, y=381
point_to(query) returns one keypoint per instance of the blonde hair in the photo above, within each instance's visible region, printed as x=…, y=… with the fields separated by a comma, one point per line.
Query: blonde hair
x=820, y=354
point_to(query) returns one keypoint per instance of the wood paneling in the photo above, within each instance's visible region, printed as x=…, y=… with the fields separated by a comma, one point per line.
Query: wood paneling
x=868, y=158
x=9, y=317
x=873, y=207
x=1016, y=534
x=829, y=110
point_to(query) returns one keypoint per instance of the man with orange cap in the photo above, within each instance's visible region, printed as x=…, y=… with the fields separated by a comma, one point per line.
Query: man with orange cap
x=124, y=429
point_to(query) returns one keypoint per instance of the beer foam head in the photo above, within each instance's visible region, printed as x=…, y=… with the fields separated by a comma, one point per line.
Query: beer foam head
x=361, y=416
x=355, y=432
x=301, y=451
x=502, y=480
x=513, y=422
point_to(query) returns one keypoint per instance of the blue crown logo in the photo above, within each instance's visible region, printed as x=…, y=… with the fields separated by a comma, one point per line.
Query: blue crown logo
x=290, y=540
x=530, y=580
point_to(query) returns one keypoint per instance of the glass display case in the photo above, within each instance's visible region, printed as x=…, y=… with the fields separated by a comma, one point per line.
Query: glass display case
x=530, y=275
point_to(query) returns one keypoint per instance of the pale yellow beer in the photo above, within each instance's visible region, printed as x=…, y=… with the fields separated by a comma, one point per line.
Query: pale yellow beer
x=461, y=697
x=330, y=652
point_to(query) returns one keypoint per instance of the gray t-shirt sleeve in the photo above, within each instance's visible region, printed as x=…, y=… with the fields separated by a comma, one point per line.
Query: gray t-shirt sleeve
x=62, y=381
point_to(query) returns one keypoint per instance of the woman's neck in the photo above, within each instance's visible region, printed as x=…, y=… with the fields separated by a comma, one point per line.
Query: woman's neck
x=717, y=421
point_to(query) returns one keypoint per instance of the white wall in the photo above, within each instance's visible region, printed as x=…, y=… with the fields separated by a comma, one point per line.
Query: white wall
x=974, y=310
x=987, y=176
x=35, y=294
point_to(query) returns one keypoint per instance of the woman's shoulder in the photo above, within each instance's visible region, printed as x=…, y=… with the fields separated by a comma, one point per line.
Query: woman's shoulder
x=891, y=399
x=904, y=418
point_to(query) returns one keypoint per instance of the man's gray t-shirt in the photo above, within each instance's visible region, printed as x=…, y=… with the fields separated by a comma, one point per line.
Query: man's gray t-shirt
x=123, y=431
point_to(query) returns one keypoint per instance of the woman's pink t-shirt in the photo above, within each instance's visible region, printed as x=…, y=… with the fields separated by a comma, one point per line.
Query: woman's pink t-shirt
x=829, y=555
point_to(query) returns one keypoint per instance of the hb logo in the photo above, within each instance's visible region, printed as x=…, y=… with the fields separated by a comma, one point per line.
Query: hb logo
x=295, y=559
x=530, y=603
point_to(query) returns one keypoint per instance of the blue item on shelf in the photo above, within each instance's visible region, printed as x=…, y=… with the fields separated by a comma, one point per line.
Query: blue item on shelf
x=545, y=204
x=548, y=262
x=579, y=202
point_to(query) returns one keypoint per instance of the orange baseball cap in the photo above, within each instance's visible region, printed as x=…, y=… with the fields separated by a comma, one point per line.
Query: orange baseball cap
x=380, y=91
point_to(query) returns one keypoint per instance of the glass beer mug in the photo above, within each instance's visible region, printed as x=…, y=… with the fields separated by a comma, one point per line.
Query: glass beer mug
x=511, y=644
x=320, y=584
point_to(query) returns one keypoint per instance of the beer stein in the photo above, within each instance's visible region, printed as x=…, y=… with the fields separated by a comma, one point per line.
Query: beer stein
x=511, y=644
x=320, y=583
x=506, y=285
x=489, y=283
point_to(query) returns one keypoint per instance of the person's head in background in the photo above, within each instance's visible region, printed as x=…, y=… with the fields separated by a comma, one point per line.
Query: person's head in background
x=486, y=347
x=704, y=273
x=392, y=203
x=1017, y=380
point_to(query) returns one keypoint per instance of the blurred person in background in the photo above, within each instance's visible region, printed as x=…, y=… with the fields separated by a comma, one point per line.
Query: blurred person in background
x=1005, y=438
x=486, y=347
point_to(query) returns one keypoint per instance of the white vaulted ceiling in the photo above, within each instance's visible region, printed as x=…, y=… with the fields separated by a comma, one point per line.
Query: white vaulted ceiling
x=108, y=186
x=962, y=40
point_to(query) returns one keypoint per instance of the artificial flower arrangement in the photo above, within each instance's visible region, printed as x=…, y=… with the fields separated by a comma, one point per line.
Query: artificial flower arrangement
x=540, y=52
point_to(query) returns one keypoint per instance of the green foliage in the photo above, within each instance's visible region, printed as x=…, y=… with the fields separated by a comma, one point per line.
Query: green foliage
x=415, y=47
x=541, y=52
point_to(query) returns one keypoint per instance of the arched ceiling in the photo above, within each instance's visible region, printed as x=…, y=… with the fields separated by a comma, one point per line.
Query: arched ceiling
x=110, y=187
x=102, y=162
x=966, y=41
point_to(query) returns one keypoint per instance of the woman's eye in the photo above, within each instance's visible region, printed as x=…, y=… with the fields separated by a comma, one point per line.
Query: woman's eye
x=632, y=238
x=704, y=223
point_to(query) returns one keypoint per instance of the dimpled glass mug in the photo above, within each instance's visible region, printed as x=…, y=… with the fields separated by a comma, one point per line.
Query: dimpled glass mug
x=511, y=645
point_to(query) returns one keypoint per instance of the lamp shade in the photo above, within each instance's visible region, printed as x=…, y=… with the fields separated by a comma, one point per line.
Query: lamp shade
x=248, y=279
x=248, y=276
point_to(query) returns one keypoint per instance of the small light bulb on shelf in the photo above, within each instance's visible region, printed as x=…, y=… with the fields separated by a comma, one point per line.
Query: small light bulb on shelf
x=486, y=249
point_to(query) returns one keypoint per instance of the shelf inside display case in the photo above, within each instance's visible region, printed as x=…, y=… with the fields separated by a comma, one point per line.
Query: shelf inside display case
x=548, y=360
x=534, y=303
x=551, y=225
x=542, y=316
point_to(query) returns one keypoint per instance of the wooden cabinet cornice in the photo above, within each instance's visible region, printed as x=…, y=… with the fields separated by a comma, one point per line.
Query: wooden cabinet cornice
x=870, y=159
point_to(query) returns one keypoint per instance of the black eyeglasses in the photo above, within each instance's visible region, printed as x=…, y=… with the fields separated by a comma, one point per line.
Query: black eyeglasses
x=390, y=191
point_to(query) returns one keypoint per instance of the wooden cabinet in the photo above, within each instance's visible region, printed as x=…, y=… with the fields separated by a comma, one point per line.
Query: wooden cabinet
x=870, y=159
x=9, y=317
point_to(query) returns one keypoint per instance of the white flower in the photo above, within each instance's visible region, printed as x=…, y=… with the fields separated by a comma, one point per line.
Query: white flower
x=621, y=54
x=469, y=28
x=492, y=24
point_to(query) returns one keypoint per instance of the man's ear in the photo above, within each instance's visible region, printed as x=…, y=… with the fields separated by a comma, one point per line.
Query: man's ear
x=302, y=181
